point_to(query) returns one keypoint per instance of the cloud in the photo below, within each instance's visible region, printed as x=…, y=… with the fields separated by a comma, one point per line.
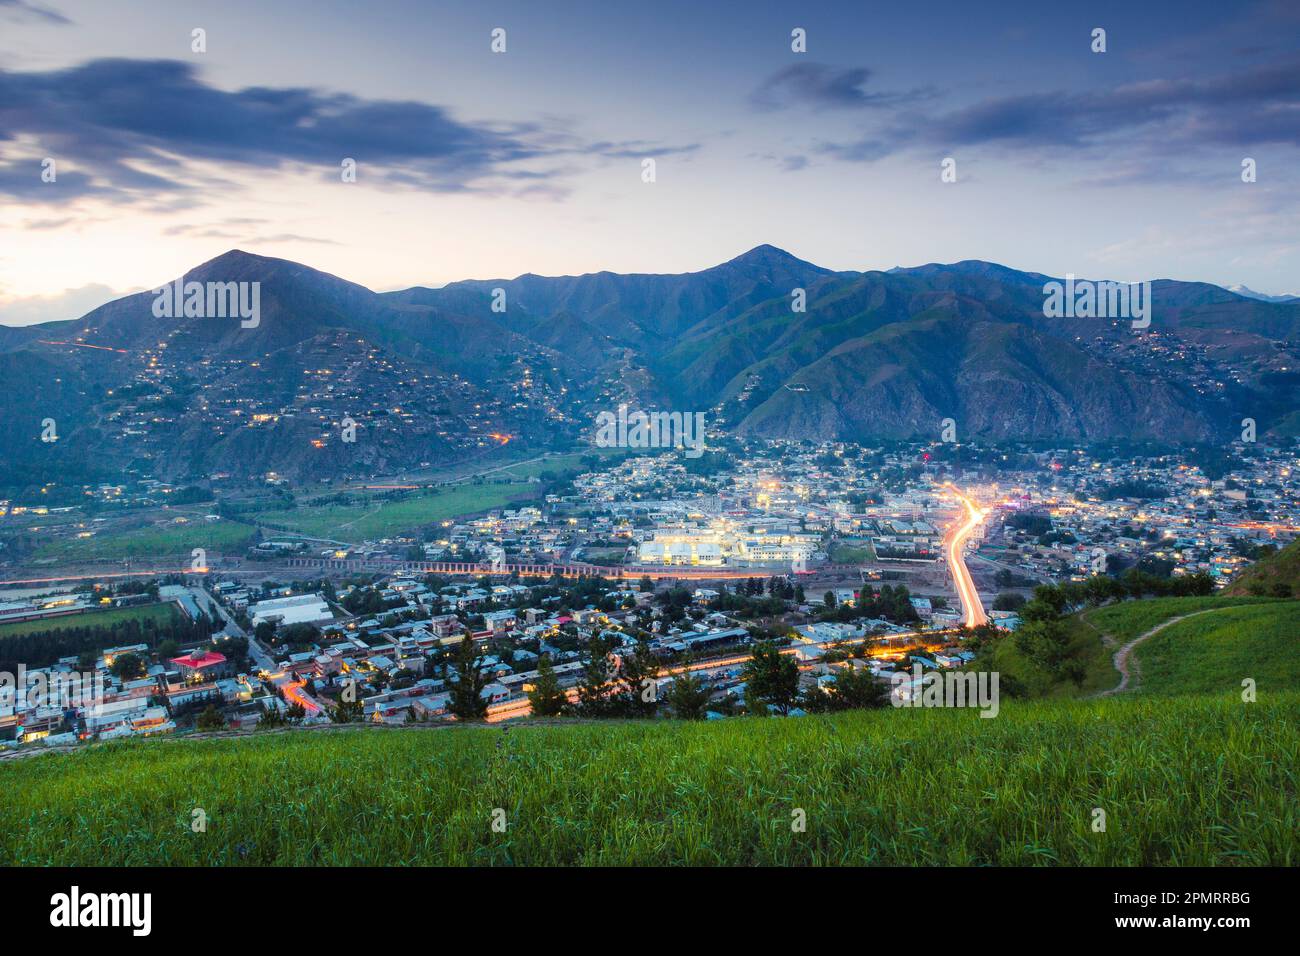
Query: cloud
x=136, y=130
x=22, y=10
x=69, y=304
x=819, y=86
x=1257, y=106
x=242, y=231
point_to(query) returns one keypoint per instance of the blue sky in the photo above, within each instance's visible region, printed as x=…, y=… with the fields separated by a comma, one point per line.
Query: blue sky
x=1123, y=164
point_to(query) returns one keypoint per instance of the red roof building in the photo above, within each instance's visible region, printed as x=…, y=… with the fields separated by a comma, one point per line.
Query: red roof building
x=199, y=665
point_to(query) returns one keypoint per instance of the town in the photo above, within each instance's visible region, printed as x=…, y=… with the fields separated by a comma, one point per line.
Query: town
x=644, y=574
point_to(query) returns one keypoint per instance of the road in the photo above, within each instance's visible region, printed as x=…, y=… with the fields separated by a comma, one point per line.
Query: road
x=261, y=659
x=953, y=546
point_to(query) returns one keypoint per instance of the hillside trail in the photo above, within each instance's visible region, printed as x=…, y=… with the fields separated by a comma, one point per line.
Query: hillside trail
x=1121, y=658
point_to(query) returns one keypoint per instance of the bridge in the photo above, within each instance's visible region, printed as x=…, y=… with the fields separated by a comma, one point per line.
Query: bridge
x=571, y=570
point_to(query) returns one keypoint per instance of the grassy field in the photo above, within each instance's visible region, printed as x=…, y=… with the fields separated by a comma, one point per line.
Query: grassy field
x=860, y=551
x=1188, y=781
x=151, y=541
x=148, y=612
x=1132, y=618
x=379, y=518
x=1086, y=647
x=1212, y=653
x=1122, y=622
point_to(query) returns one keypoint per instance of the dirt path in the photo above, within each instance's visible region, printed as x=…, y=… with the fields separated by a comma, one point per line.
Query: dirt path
x=1122, y=656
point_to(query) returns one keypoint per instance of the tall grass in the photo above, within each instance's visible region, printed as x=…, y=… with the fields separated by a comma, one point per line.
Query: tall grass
x=1130, y=619
x=1187, y=781
x=1214, y=652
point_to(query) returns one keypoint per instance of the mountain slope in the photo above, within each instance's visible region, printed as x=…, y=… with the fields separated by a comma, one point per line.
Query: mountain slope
x=871, y=354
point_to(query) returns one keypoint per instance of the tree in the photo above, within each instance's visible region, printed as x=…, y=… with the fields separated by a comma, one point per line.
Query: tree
x=265, y=632
x=271, y=719
x=771, y=679
x=1008, y=601
x=594, y=682
x=688, y=698
x=467, y=701
x=127, y=667
x=210, y=719
x=640, y=677
x=348, y=712
x=856, y=688
x=546, y=698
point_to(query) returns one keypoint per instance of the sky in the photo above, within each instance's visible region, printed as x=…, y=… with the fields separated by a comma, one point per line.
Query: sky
x=470, y=163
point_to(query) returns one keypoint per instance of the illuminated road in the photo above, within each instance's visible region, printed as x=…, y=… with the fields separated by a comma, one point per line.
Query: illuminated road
x=96, y=575
x=954, y=544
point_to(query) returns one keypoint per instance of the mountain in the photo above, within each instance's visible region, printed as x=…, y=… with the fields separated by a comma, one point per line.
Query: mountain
x=766, y=344
x=1263, y=297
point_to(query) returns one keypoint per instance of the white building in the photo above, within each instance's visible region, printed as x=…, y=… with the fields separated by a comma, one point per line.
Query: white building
x=299, y=609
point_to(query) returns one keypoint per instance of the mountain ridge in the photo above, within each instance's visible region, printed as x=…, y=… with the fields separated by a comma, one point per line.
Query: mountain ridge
x=854, y=356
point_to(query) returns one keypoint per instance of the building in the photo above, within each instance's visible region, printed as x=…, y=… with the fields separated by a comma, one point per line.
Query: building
x=299, y=609
x=201, y=665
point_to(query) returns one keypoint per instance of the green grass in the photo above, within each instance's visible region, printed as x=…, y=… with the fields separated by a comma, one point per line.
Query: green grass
x=378, y=518
x=557, y=463
x=148, y=612
x=1133, y=618
x=858, y=552
x=151, y=541
x=1184, y=781
x=1213, y=653
x=1085, y=647
x=1123, y=622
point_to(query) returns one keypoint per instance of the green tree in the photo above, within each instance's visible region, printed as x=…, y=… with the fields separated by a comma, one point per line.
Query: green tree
x=127, y=667
x=1008, y=601
x=771, y=679
x=210, y=719
x=856, y=688
x=546, y=698
x=688, y=698
x=466, y=700
x=265, y=632
x=348, y=712
x=594, y=690
x=640, y=678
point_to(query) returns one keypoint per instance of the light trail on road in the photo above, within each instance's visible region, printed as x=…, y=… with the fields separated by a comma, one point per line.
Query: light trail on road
x=96, y=576
x=955, y=542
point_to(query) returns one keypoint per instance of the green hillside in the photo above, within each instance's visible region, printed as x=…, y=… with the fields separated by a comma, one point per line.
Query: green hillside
x=1187, y=773
x=1213, y=652
x=1276, y=575
x=1093, y=637
x=1188, y=781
